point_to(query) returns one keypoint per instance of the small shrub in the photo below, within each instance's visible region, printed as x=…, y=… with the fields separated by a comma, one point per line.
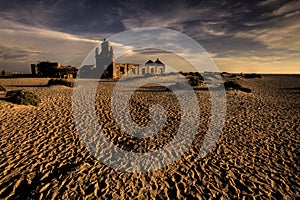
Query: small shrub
x=232, y=85
x=182, y=73
x=2, y=89
x=191, y=73
x=196, y=75
x=235, y=85
x=194, y=81
x=60, y=82
x=22, y=97
x=252, y=75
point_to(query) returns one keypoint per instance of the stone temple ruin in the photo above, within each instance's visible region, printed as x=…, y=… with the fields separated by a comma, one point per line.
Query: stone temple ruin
x=53, y=70
x=106, y=65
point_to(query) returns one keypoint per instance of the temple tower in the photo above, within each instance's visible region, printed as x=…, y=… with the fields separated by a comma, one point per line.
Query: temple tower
x=105, y=61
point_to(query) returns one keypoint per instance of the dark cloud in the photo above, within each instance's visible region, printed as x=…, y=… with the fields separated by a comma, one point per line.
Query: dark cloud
x=92, y=16
x=150, y=51
x=221, y=26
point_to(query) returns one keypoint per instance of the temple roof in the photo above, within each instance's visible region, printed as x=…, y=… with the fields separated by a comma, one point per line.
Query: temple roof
x=158, y=61
x=149, y=61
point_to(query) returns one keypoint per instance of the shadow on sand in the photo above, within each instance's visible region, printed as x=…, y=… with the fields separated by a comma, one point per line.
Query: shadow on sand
x=26, y=86
x=292, y=88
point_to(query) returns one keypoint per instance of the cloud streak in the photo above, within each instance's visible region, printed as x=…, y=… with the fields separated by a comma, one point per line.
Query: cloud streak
x=29, y=44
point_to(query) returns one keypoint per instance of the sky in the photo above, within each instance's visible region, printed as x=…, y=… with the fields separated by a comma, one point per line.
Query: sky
x=253, y=36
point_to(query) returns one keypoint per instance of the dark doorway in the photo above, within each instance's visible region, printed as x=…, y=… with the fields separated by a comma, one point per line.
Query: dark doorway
x=122, y=70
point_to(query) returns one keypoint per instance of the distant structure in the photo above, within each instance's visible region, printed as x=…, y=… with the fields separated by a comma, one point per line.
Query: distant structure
x=53, y=70
x=151, y=67
x=106, y=65
x=15, y=74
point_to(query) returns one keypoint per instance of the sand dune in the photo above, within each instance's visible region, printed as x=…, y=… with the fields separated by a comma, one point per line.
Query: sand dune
x=42, y=156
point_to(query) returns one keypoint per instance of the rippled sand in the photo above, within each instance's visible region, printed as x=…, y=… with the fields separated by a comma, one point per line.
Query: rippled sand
x=257, y=155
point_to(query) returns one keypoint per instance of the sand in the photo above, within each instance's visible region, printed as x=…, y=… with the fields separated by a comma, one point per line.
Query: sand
x=257, y=155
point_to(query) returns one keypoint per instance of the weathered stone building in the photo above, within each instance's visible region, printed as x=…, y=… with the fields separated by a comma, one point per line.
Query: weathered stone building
x=106, y=65
x=53, y=70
